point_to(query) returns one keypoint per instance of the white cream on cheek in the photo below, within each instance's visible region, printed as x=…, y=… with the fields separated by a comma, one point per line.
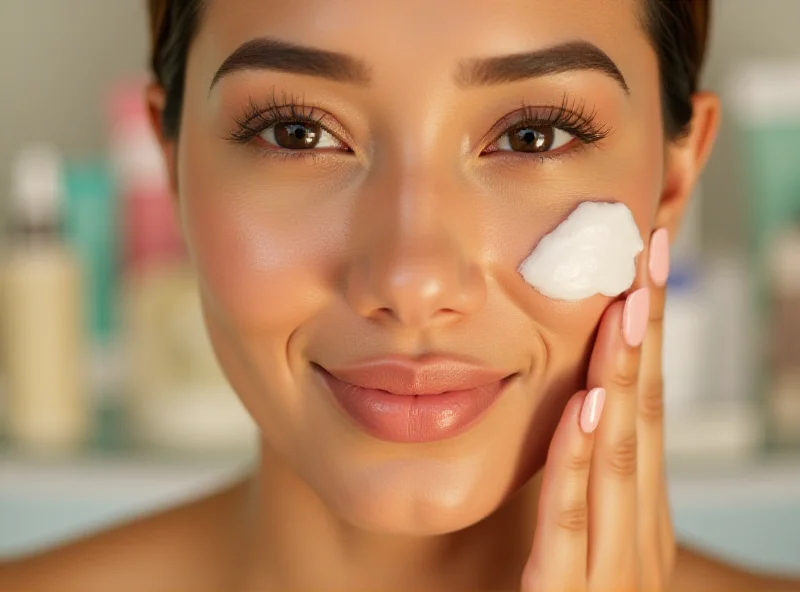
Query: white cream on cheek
x=592, y=252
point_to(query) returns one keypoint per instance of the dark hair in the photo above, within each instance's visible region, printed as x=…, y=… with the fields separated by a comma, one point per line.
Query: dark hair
x=678, y=30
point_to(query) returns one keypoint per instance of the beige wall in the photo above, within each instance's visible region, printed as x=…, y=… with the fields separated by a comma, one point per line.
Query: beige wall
x=57, y=56
x=56, y=59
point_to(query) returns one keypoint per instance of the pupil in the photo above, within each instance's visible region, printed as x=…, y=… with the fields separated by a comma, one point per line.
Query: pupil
x=532, y=139
x=297, y=136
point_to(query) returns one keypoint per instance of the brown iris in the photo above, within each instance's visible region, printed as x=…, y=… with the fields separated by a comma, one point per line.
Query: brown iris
x=297, y=136
x=531, y=139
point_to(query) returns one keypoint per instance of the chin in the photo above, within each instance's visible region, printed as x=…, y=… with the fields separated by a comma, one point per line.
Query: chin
x=419, y=496
x=414, y=512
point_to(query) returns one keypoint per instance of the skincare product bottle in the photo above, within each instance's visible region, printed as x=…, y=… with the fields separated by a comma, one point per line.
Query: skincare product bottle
x=44, y=336
x=784, y=356
x=764, y=97
x=685, y=330
x=92, y=229
x=180, y=400
x=148, y=224
x=3, y=393
x=709, y=413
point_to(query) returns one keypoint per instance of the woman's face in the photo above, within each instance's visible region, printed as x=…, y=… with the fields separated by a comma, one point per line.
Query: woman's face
x=428, y=174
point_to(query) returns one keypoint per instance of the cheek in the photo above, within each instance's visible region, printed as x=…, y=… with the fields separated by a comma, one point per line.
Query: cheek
x=256, y=267
x=566, y=324
x=567, y=329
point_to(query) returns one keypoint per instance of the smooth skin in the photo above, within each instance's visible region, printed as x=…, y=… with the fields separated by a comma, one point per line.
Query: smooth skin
x=407, y=244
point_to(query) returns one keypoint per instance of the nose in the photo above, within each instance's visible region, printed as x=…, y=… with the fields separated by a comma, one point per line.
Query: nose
x=416, y=265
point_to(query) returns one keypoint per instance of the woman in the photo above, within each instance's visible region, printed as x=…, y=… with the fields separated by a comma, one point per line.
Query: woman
x=358, y=183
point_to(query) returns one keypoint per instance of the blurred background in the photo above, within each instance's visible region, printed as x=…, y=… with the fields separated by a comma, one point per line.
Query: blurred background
x=111, y=402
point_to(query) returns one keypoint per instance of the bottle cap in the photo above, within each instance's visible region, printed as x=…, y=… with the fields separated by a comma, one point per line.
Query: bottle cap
x=36, y=185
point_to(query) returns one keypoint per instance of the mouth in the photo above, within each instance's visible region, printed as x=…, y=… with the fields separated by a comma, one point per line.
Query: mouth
x=413, y=401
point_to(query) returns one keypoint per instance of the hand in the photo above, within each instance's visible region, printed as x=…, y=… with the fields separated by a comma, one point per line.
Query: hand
x=603, y=518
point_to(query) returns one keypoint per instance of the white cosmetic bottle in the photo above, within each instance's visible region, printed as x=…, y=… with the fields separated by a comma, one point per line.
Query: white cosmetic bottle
x=43, y=336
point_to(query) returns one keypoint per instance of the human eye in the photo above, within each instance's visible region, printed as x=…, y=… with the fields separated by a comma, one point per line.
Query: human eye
x=288, y=129
x=547, y=131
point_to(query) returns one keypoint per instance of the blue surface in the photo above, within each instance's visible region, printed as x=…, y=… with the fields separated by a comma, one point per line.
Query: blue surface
x=27, y=524
x=759, y=535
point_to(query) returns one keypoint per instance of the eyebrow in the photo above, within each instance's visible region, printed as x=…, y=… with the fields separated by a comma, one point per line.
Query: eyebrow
x=272, y=54
x=566, y=57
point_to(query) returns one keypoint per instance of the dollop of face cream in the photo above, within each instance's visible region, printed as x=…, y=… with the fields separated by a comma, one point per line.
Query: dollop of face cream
x=592, y=252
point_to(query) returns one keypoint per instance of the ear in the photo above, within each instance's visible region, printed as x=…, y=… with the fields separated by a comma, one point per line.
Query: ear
x=156, y=100
x=685, y=160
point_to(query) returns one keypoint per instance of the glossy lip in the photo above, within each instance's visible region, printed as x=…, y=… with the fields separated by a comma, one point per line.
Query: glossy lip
x=423, y=400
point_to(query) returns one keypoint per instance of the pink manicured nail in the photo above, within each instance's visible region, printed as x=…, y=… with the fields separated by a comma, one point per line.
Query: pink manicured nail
x=592, y=408
x=634, y=317
x=659, y=257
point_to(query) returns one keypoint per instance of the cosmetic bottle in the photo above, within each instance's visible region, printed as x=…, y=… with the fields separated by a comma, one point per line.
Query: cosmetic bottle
x=179, y=399
x=685, y=314
x=684, y=335
x=709, y=416
x=3, y=393
x=784, y=343
x=764, y=99
x=43, y=337
x=149, y=226
x=92, y=229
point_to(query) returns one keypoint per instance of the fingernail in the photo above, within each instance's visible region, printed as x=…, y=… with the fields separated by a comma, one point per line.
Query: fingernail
x=634, y=317
x=592, y=408
x=659, y=257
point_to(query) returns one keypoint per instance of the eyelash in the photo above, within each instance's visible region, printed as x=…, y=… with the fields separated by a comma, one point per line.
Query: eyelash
x=256, y=119
x=568, y=116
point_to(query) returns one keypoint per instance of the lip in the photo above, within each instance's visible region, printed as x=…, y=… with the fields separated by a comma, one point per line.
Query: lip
x=424, y=400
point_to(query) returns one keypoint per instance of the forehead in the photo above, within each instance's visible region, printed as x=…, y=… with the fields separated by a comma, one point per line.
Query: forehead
x=416, y=37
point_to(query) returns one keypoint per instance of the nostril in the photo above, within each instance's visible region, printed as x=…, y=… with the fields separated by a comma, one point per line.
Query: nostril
x=384, y=313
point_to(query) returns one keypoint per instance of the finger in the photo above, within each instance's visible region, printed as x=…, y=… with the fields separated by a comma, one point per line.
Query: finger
x=653, y=542
x=612, y=484
x=559, y=553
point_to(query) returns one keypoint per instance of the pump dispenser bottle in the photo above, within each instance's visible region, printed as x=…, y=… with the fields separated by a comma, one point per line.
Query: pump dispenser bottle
x=43, y=331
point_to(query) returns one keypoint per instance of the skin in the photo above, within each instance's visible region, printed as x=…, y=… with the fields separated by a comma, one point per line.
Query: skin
x=304, y=260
